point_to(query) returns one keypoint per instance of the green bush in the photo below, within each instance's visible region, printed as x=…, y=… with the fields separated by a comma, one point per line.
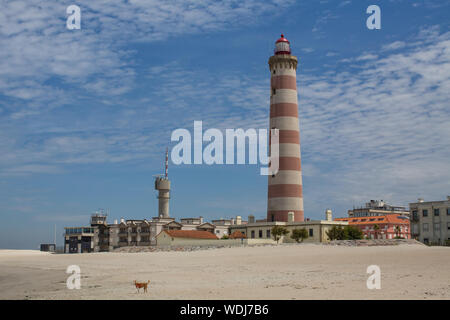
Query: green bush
x=345, y=233
x=278, y=232
x=299, y=234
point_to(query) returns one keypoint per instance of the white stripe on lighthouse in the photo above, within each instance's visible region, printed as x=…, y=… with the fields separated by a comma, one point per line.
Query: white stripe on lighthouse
x=286, y=177
x=284, y=123
x=284, y=96
x=285, y=203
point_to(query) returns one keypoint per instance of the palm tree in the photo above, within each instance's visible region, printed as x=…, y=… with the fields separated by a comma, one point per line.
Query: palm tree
x=397, y=231
x=376, y=228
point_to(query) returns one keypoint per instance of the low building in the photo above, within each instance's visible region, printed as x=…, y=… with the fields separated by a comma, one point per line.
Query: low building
x=48, y=247
x=79, y=239
x=381, y=227
x=317, y=229
x=185, y=237
x=430, y=221
x=101, y=236
x=377, y=208
x=237, y=235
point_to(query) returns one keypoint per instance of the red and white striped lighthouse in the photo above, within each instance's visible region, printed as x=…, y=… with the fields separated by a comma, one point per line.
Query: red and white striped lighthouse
x=285, y=192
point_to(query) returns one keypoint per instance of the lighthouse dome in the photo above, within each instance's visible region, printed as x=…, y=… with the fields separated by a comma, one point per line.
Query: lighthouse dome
x=282, y=46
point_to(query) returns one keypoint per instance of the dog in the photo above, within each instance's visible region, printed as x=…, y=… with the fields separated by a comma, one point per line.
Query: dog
x=140, y=285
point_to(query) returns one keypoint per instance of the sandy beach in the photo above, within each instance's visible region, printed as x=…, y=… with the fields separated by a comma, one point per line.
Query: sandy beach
x=306, y=271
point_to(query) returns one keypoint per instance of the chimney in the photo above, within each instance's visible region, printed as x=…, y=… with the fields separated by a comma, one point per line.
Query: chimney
x=115, y=221
x=420, y=199
x=201, y=220
x=328, y=215
x=238, y=220
x=290, y=216
x=232, y=220
x=251, y=218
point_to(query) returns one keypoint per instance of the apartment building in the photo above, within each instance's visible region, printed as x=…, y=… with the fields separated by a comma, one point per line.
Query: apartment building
x=261, y=229
x=381, y=227
x=430, y=221
x=377, y=208
x=101, y=236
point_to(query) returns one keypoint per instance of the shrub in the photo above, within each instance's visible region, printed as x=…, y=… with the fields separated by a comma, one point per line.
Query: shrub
x=278, y=232
x=299, y=234
x=345, y=233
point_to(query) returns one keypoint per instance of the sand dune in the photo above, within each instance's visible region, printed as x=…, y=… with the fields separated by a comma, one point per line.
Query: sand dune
x=306, y=271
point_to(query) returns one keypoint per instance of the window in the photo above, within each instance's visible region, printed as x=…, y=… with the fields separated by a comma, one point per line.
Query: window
x=425, y=213
x=448, y=225
x=268, y=232
x=311, y=232
x=425, y=227
x=448, y=211
x=436, y=212
x=274, y=91
x=253, y=234
x=274, y=71
x=273, y=217
x=260, y=233
x=437, y=226
x=425, y=240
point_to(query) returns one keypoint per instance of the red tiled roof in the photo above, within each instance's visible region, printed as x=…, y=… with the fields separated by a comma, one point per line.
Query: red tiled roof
x=192, y=234
x=237, y=235
x=389, y=218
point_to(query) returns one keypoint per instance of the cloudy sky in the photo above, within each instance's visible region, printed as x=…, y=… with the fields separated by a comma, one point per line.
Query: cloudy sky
x=86, y=115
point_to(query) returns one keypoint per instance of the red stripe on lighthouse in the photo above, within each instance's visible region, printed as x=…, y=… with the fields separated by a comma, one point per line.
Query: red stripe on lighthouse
x=284, y=110
x=284, y=190
x=282, y=215
x=284, y=82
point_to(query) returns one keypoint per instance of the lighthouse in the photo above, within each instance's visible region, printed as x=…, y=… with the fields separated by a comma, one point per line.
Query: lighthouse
x=285, y=194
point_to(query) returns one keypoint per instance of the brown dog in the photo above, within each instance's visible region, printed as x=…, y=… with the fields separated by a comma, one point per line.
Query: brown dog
x=140, y=285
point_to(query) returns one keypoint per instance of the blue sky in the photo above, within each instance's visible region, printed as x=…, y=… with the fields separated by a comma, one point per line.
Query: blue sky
x=86, y=115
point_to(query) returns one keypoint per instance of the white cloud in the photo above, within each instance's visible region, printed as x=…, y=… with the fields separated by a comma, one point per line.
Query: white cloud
x=42, y=56
x=382, y=129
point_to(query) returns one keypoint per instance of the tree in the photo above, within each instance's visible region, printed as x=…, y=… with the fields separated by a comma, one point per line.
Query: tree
x=335, y=233
x=278, y=232
x=299, y=234
x=224, y=237
x=353, y=233
x=397, y=231
x=345, y=233
x=376, y=228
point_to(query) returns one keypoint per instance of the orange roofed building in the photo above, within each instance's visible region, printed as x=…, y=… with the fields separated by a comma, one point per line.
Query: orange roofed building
x=237, y=235
x=389, y=226
x=184, y=237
